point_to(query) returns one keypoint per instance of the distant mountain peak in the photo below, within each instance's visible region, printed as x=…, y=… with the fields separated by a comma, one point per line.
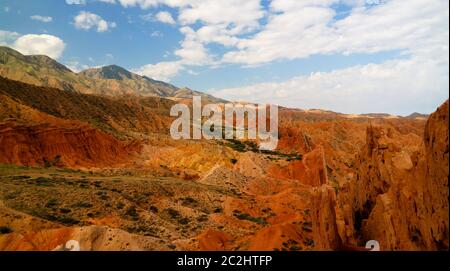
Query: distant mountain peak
x=7, y=54
x=108, y=72
x=416, y=115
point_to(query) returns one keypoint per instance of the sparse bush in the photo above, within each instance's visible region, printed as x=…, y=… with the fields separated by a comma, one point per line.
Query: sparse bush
x=52, y=163
x=202, y=218
x=51, y=203
x=172, y=246
x=68, y=220
x=308, y=242
x=236, y=145
x=174, y=214
x=21, y=177
x=65, y=210
x=82, y=204
x=184, y=221
x=131, y=211
x=5, y=230
x=42, y=181
x=306, y=228
x=244, y=216
x=153, y=209
x=295, y=248
x=12, y=195
x=189, y=201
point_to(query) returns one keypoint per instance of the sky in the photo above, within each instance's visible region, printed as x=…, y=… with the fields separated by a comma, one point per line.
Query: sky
x=349, y=56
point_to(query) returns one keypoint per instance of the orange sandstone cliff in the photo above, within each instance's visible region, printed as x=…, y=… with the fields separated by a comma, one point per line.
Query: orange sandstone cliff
x=399, y=194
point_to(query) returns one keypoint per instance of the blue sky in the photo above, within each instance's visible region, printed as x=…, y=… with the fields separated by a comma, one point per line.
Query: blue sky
x=351, y=56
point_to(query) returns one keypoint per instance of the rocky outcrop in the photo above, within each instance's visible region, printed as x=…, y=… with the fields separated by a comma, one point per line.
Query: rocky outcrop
x=325, y=234
x=68, y=146
x=90, y=238
x=311, y=170
x=399, y=194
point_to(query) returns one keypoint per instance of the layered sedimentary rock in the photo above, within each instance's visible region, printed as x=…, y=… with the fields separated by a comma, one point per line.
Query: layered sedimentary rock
x=70, y=146
x=325, y=234
x=90, y=238
x=399, y=194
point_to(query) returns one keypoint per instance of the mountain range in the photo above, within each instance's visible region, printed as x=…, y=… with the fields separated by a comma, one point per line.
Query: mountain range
x=110, y=80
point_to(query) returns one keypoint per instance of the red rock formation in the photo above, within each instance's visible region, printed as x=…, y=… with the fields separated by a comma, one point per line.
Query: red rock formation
x=90, y=238
x=62, y=145
x=399, y=195
x=212, y=240
x=325, y=233
x=311, y=170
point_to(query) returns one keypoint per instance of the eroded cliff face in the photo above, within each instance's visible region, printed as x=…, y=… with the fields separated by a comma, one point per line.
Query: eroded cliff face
x=63, y=145
x=399, y=193
x=326, y=235
x=89, y=238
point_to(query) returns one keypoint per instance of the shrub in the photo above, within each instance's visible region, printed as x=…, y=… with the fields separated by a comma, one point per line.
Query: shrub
x=189, y=201
x=5, y=230
x=202, y=218
x=68, y=220
x=307, y=226
x=172, y=213
x=131, y=211
x=184, y=221
x=244, y=216
x=82, y=204
x=21, y=177
x=308, y=242
x=153, y=209
x=65, y=210
x=42, y=181
x=51, y=203
x=295, y=248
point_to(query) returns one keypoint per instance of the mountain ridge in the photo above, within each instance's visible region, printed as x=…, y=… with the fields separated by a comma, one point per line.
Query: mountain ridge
x=111, y=80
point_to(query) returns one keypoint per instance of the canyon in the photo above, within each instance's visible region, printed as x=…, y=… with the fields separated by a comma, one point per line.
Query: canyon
x=100, y=167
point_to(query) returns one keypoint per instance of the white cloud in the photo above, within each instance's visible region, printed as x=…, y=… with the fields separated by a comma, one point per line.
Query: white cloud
x=220, y=20
x=392, y=87
x=308, y=28
x=162, y=16
x=76, y=66
x=44, y=19
x=8, y=37
x=86, y=20
x=108, y=1
x=192, y=51
x=165, y=17
x=162, y=71
x=32, y=44
x=147, y=17
x=76, y=2
x=293, y=29
x=156, y=34
x=241, y=14
x=6, y=9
